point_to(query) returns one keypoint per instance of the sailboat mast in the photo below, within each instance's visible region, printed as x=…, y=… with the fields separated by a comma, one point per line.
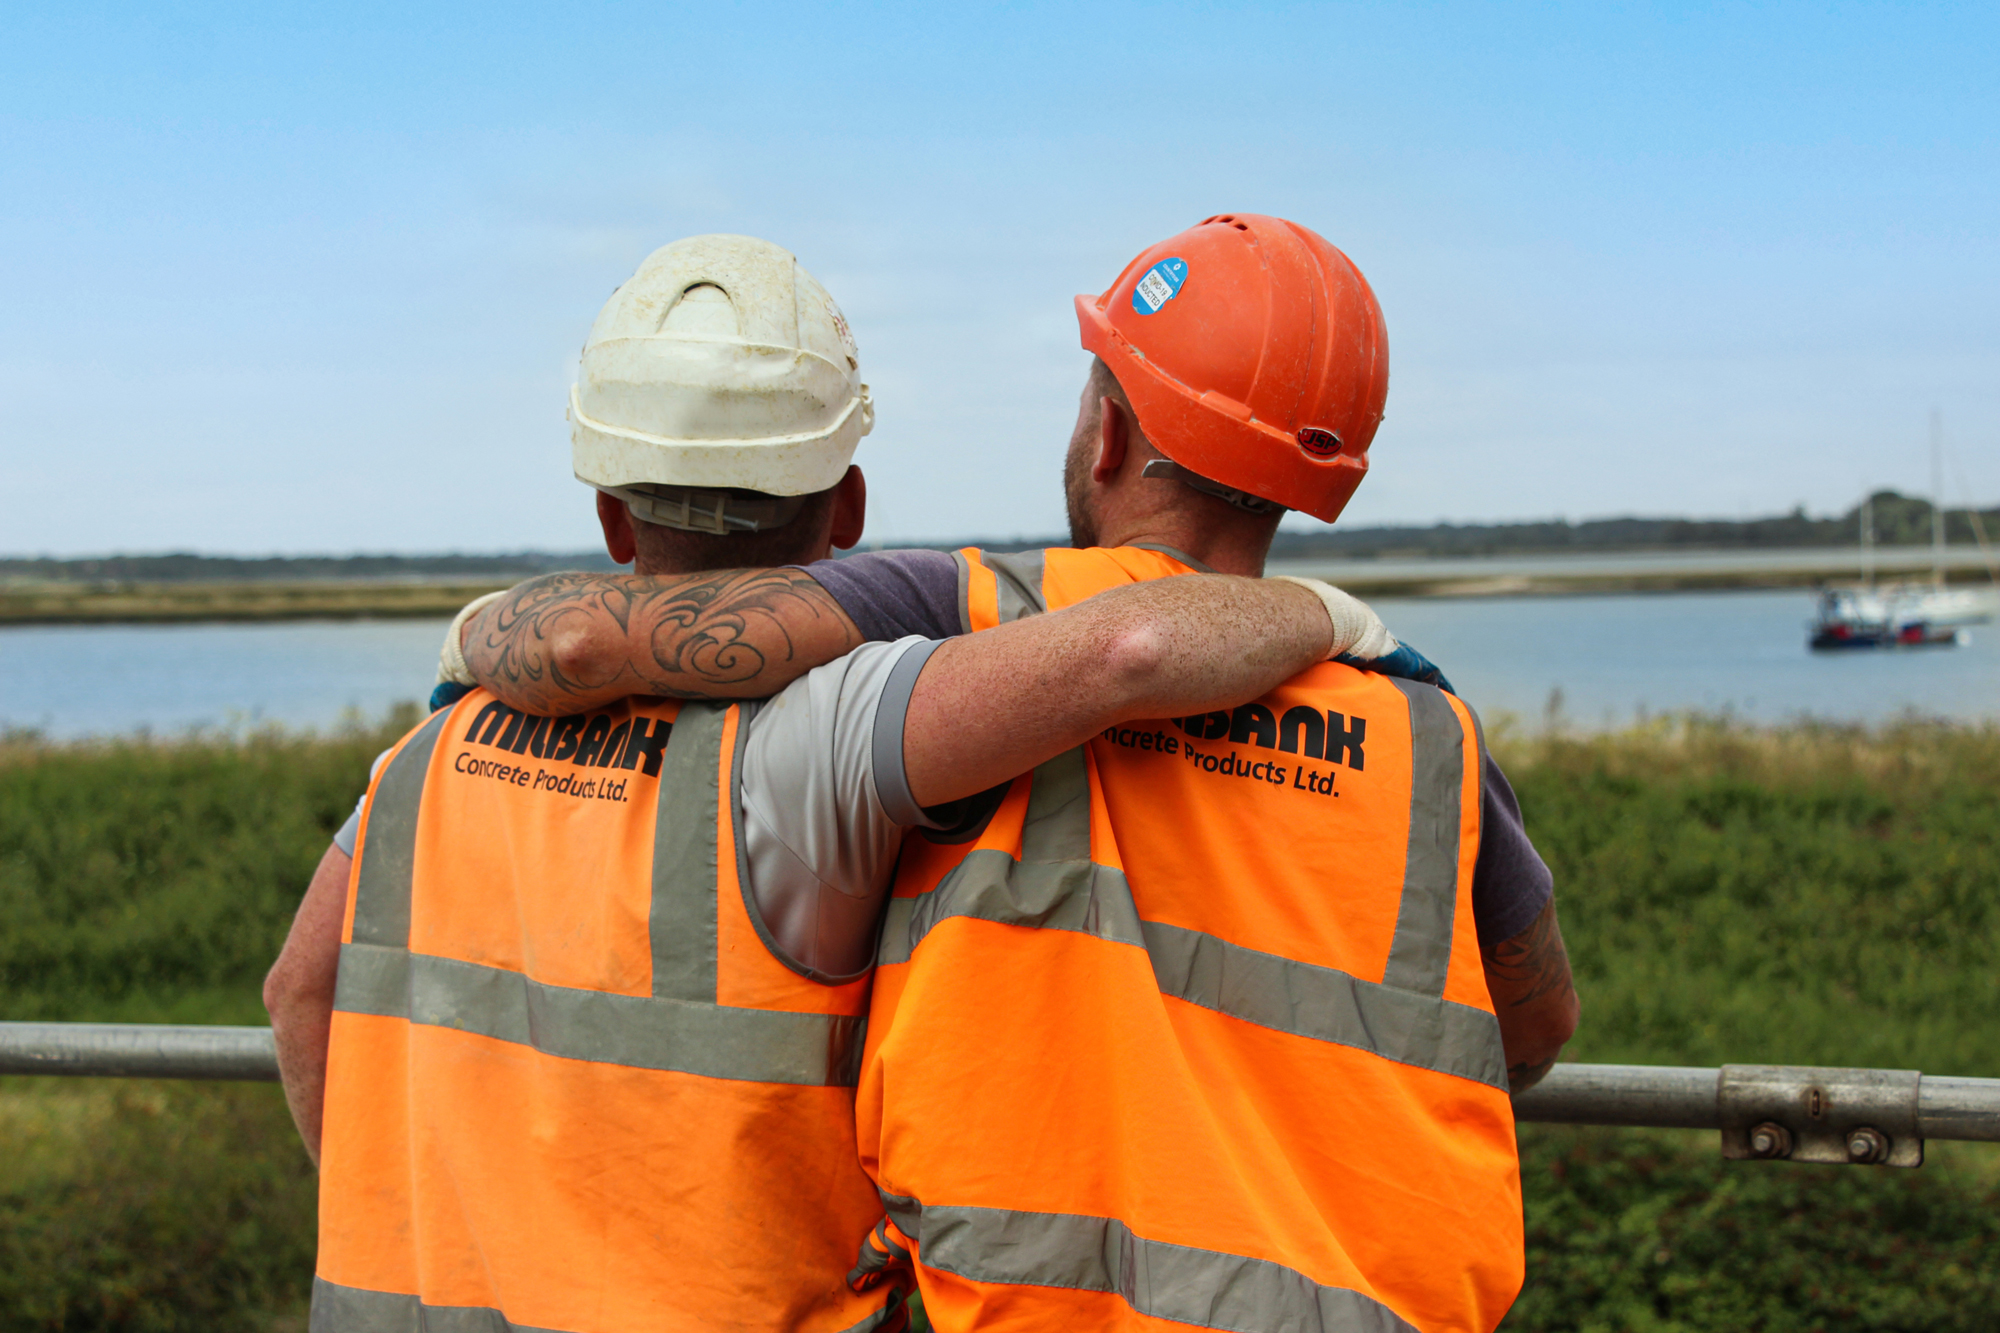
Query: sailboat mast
x=1937, y=497
x=1868, y=543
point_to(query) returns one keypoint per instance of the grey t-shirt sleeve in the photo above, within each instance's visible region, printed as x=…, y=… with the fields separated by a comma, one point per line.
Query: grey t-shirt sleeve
x=888, y=594
x=1511, y=884
x=825, y=803
x=345, y=836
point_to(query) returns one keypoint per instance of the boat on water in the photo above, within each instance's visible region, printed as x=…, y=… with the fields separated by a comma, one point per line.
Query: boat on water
x=1905, y=615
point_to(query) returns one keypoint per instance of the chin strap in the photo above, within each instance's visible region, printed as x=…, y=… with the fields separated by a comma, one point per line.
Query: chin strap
x=1169, y=470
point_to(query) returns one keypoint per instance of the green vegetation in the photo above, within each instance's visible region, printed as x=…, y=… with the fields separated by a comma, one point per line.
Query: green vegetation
x=1810, y=895
x=144, y=882
x=154, y=883
x=1814, y=895
x=152, y=1206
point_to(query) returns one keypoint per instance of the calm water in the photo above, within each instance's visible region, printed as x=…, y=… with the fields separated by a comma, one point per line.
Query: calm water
x=1612, y=657
x=96, y=679
x=1744, y=652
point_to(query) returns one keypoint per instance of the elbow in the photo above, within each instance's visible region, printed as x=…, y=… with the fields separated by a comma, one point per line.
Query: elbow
x=280, y=994
x=1533, y=1039
x=1554, y=1026
x=294, y=996
x=1134, y=663
x=576, y=657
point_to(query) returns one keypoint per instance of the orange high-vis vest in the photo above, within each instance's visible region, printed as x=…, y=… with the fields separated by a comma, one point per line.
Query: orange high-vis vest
x=570, y=1088
x=1195, y=1031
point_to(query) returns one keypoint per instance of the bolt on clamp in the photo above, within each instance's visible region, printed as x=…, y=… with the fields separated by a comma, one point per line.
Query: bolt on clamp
x=1859, y=1117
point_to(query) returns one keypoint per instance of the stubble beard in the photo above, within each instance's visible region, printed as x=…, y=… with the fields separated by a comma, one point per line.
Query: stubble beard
x=1076, y=498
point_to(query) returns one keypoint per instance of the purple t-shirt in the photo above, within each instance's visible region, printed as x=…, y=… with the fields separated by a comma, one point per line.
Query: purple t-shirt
x=889, y=594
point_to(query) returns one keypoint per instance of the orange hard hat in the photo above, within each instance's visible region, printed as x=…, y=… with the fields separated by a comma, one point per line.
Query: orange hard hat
x=1255, y=356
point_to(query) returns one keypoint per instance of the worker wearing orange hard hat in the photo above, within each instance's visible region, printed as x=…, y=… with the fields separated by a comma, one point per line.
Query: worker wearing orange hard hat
x=1211, y=1021
x=1254, y=353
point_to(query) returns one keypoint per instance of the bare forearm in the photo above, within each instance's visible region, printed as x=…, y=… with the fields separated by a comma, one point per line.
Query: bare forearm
x=302, y=1038
x=992, y=705
x=298, y=994
x=566, y=642
x=1534, y=998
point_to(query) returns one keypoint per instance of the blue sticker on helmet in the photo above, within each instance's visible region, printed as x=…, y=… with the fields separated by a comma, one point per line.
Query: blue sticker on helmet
x=1160, y=285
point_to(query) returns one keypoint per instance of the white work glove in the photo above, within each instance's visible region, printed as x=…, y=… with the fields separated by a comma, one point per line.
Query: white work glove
x=451, y=659
x=1357, y=631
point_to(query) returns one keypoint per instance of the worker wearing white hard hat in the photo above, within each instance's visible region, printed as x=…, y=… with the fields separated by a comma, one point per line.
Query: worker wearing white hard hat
x=572, y=1015
x=722, y=367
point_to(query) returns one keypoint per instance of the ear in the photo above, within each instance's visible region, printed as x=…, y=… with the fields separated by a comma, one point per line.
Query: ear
x=850, y=509
x=616, y=520
x=1114, y=432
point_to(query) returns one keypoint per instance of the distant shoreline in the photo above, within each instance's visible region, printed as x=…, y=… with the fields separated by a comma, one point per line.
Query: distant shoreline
x=24, y=604
x=194, y=601
x=1612, y=573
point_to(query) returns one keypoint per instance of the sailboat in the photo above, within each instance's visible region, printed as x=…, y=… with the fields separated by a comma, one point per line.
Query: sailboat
x=1909, y=614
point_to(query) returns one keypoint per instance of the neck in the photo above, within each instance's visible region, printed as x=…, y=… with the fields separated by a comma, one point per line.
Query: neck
x=1226, y=548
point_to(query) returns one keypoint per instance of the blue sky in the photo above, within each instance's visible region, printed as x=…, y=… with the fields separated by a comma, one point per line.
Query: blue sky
x=316, y=281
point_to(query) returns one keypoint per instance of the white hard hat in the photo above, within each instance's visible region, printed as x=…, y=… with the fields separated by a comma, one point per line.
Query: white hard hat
x=720, y=364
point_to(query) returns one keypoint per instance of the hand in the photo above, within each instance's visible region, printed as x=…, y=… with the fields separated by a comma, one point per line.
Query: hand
x=1406, y=663
x=451, y=658
x=1358, y=633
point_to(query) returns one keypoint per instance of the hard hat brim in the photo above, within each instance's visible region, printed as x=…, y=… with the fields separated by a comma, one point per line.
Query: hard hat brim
x=605, y=455
x=1216, y=436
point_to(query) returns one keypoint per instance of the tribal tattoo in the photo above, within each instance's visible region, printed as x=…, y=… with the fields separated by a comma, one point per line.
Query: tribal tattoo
x=565, y=642
x=1530, y=971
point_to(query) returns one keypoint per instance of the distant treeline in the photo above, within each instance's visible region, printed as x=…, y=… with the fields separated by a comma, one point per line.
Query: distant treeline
x=181, y=567
x=1900, y=520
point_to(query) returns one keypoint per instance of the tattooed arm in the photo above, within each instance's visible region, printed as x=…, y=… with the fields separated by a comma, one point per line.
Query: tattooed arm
x=1528, y=976
x=567, y=642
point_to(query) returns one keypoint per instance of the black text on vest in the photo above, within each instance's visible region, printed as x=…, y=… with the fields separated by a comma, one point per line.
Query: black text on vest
x=1335, y=737
x=588, y=740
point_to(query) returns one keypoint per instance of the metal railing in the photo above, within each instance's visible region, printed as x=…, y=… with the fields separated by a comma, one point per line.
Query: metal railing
x=1800, y=1113
x=1772, y=1112
x=138, y=1050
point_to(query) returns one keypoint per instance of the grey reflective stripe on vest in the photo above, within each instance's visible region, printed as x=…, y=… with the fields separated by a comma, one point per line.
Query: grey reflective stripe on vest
x=642, y=1032
x=1174, y=553
x=1019, y=584
x=1326, y=1004
x=678, y=1028
x=1202, y=1288
x=1420, y=955
x=338, y=1309
x=1055, y=886
x=389, y=848
x=683, y=922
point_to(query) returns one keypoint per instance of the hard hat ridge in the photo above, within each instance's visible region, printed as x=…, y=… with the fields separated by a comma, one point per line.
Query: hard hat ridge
x=721, y=364
x=1254, y=355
